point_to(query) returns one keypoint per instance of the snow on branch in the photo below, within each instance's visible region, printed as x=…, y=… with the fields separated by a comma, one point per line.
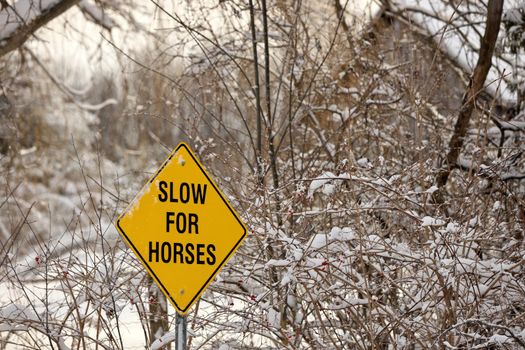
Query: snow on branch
x=96, y=14
x=163, y=341
x=513, y=125
x=457, y=31
x=19, y=21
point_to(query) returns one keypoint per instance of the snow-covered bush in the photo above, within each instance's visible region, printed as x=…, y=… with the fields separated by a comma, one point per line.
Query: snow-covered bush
x=347, y=246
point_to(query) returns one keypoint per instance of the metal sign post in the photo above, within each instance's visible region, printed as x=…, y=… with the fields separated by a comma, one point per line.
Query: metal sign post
x=181, y=328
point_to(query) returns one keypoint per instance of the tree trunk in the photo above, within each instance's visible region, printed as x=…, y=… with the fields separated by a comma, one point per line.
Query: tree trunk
x=487, y=44
x=158, y=313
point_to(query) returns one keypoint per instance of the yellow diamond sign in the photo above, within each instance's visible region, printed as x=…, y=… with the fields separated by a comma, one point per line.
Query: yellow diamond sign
x=182, y=228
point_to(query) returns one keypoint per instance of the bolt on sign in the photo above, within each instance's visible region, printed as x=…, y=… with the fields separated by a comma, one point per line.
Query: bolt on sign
x=182, y=228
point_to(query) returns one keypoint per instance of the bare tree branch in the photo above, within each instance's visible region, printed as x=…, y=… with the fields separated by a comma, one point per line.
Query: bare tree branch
x=21, y=20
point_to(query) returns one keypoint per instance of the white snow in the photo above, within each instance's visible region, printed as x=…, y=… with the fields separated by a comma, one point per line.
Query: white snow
x=344, y=234
x=274, y=318
x=318, y=241
x=97, y=13
x=325, y=181
x=319, y=181
x=453, y=227
x=16, y=311
x=277, y=262
x=430, y=221
x=288, y=277
x=328, y=189
x=321, y=240
x=432, y=189
x=163, y=341
x=363, y=162
x=500, y=339
x=291, y=300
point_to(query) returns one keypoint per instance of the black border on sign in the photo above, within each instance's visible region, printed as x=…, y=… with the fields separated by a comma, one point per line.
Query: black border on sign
x=185, y=310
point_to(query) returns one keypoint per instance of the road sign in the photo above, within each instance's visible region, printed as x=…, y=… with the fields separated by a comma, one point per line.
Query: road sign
x=182, y=228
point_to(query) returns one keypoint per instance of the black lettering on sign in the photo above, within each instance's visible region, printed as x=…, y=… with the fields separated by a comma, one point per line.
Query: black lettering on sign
x=190, y=258
x=153, y=252
x=184, y=223
x=166, y=252
x=211, y=256
x=199, y=193
x=169, y=220
x=181, y=222
x=200, y=253
x=186, y=192
x=163, y=196
x=179, y=253
x=193, y=221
